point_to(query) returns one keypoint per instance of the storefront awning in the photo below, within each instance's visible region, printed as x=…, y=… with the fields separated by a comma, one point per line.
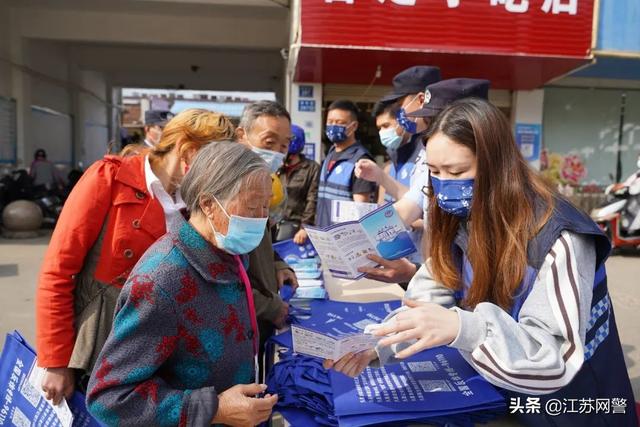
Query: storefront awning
x=516, y=44
x=358, y=66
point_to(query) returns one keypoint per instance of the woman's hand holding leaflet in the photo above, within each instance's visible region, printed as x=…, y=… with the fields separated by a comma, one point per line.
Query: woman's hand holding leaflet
x=431, y=325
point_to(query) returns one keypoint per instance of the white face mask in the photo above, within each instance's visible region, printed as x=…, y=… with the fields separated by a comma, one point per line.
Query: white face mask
x=274, y=159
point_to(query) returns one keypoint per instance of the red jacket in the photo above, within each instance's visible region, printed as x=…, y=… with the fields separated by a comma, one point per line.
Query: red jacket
x=113, y=193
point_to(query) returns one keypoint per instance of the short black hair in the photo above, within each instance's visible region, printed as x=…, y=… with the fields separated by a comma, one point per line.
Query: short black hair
x=40, y=153
x=381, y=108
x=257, y=109
x=345, y=105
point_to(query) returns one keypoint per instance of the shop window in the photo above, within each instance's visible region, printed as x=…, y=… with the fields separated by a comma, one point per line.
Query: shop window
x=581, y=132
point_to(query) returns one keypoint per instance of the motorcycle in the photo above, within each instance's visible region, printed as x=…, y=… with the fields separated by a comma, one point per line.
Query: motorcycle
x=619, y=216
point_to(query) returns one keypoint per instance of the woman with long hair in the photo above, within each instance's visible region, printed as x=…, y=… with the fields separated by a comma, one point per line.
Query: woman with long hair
x=120, y=206
x=515, y=279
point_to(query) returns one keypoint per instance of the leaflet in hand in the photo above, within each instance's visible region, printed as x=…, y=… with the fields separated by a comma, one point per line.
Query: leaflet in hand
x=62, y=410
x=344, y=247
x=329, y=346
x=25, y=404
x=339, y=328
x=347, y=210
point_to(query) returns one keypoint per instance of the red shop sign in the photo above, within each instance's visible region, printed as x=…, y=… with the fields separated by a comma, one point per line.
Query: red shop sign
x=548, y=28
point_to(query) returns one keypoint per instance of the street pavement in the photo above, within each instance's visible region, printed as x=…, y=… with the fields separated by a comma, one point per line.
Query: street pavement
x=20, y=262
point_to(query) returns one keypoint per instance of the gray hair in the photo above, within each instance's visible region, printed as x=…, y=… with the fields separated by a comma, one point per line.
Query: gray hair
x=220, y=169
x=257, y=109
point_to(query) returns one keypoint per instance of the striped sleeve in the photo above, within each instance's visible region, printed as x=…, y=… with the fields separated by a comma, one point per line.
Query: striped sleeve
x=543, y=350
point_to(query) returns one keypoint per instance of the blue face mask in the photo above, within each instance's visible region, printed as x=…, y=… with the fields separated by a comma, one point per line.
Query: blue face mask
x=405, y=122
x=243, y=234
x=454, y=196
x=273, y=159
x=336, y=133
x=390, y=138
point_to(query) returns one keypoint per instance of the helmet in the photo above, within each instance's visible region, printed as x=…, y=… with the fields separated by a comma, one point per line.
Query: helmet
x=297, y=143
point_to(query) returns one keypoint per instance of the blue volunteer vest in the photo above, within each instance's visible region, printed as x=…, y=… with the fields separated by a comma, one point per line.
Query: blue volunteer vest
x=403, y=165
x=603, y=374
x=336, y=184
x=404, y=161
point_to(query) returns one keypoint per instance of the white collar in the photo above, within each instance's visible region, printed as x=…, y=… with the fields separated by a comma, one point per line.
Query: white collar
x=149, y=176
x=155, y=188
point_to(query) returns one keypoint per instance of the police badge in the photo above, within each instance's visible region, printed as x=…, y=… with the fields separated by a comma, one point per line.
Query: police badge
x=427, y=97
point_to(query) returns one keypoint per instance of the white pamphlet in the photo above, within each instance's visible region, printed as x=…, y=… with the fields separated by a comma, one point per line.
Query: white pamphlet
x=344, y=247
x=347, y=210
x=326, y=346
x=62, y=410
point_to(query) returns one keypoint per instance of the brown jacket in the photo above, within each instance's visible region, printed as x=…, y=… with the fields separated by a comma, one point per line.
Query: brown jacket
x=263, y=264
x=301, y=182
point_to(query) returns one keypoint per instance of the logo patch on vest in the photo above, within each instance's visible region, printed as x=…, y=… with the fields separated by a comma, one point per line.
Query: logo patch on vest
x=339, y=169
x=403, y=174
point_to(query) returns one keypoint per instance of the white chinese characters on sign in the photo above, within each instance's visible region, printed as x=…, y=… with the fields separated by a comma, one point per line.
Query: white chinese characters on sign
x=402, y=2
x=514, y=6
x=560, y=6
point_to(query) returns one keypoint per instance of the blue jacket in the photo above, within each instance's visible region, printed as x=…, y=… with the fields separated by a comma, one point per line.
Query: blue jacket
x=603, y=374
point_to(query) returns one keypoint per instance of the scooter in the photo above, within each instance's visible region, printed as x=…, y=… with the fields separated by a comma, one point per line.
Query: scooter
x=619, y=217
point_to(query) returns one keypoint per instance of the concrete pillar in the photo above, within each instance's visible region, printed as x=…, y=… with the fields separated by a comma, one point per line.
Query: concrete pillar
x=115, y=114
x=5, y=51
x=94, y=116
x=77, y=113
x=527, y=123
x=21, y=92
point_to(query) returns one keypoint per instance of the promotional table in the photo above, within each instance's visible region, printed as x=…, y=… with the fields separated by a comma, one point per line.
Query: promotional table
x=338, y=395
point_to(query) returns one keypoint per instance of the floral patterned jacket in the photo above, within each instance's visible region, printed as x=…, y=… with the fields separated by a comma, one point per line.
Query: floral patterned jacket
x=182, y=334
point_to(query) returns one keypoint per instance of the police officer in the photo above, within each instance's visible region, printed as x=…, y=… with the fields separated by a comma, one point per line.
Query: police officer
x=401, y=135
x=411, y=205
x=300, y=177
x=437, y=97
x=337, y=177
x=400, y=132
x=154, y=123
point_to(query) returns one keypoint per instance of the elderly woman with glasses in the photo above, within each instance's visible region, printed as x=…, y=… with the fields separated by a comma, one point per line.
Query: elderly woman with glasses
x=183, y=346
